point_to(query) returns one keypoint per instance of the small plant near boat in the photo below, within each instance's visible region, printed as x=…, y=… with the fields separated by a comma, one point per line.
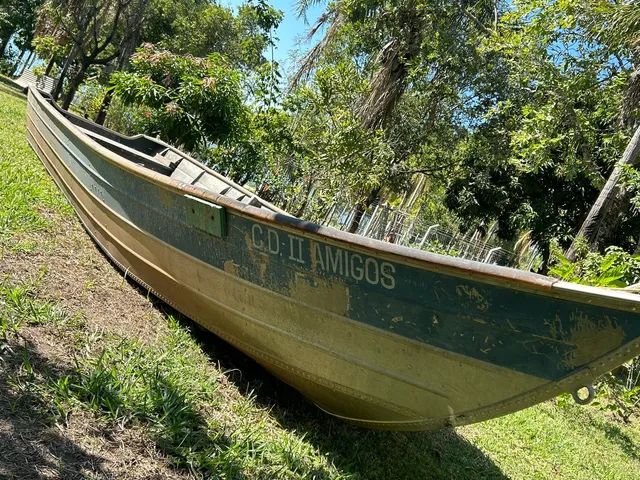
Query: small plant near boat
x=615, y=268
x=620, y=391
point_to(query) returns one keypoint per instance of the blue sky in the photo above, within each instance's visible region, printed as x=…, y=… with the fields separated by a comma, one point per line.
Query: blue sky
x=292, y=30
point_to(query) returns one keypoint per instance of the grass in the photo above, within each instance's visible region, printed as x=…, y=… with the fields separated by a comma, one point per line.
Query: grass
x=192, y=406
x=167, y=390
x=28, y=197
x=559, y=439
x=8, y=86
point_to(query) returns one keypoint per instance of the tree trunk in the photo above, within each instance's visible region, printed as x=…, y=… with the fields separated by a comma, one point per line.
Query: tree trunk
x=27, y=62
x=16, y=65
x=374, y=195
x=104, y=107
x=126, y=50
x=74, y=84
x=305, y=201
x=52, y=62
x=32, y=60
x=63, y=73
x=600, y=222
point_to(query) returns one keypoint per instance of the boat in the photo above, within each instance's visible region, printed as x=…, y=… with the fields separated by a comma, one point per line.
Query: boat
x=376, y=334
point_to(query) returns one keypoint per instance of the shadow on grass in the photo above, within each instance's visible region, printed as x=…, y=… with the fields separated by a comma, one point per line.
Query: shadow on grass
x=30, y=444
x=618, y=437
x=356, y=452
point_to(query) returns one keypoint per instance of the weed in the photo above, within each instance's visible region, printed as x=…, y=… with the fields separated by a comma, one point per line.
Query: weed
x=19, y=307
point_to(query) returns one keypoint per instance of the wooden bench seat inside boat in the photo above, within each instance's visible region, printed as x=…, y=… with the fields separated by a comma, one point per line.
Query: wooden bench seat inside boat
x=157, y=164
x=193, y=174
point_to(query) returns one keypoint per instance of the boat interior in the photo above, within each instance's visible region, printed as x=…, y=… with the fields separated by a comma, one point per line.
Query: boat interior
x=161, y=158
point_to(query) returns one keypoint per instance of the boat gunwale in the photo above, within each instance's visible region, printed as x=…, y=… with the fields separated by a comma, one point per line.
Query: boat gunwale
x=158, y=141
x=462, y=268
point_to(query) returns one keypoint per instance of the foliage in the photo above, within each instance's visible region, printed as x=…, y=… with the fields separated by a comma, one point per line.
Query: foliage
x=342, y=156
x=19, y=308
x=18, y=17
x=199, y=28
x=619, y=391
x=190, y=101
x=436, y=247
x=631, y=183
x=49, y=47
x=615, y=268
x=91, y=98
x=412, y=63
x=548, y=107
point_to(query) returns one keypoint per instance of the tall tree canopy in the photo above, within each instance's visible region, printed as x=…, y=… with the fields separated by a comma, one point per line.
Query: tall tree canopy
x=421, y=54
x=549, y=128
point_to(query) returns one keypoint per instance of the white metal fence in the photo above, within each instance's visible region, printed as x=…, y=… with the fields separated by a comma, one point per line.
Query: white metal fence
x=393, y=225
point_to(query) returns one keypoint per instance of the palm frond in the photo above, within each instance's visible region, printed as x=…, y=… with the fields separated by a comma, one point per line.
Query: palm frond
x=623, y=27
x=311, y=58
x=303, y=6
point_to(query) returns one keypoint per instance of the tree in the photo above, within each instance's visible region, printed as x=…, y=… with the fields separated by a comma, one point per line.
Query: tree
x=98, y=30
x=189, y=101
x=17, y=17
x=400, y=45
x=547, y=130
x=200, y=27
x=622, y=32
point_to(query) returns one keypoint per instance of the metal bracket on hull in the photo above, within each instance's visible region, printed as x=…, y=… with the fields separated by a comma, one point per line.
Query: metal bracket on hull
x=584, y=400
x=206, y=216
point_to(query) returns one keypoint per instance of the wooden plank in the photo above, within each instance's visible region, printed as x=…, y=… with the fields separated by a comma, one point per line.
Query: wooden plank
x=212, y=183
x=206, y=216
x=187, y=172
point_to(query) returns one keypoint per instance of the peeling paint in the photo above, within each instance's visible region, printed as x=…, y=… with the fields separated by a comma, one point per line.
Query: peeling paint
x=231, y=267
x=592, y=338
x=472, y=294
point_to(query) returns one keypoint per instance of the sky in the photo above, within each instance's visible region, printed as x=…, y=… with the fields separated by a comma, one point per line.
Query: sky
x=291, y=31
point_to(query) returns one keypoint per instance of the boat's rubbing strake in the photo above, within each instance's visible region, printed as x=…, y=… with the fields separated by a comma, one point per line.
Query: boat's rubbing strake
x=535, y=334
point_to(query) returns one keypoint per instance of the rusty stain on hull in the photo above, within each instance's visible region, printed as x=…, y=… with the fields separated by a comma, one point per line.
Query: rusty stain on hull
x=592, y=338
x=379, y=335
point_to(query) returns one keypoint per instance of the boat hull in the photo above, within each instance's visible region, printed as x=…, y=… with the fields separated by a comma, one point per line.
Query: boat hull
x=337, y=320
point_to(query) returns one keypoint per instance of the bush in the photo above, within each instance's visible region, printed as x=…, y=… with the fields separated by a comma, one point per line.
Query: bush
x=616, y=268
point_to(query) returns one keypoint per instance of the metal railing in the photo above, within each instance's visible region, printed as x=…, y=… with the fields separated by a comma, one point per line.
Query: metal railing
x=393, y=225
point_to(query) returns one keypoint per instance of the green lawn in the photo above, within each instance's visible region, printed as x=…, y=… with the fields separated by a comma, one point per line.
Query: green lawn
x=179, y=393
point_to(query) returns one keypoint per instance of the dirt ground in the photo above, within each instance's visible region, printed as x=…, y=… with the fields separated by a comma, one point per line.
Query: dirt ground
x=68, y=268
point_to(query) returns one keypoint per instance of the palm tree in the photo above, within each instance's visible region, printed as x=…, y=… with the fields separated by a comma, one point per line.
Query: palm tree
x=403, y=26
x=613, y=200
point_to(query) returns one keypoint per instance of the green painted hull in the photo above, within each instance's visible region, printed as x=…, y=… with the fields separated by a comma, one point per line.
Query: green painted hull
x=380, y=335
